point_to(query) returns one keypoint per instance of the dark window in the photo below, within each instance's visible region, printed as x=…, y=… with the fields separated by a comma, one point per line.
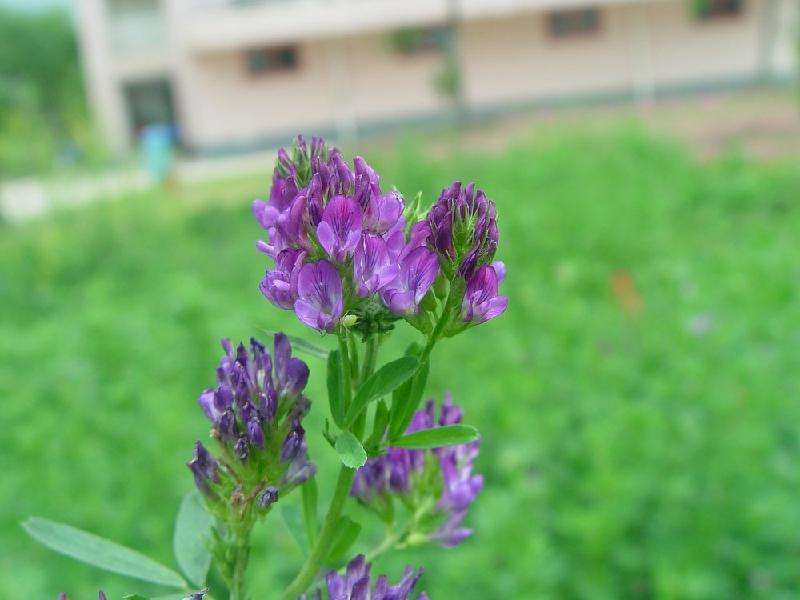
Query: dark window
x=716, y=9
x=149, y=102
x=580, y=21
x=415, y=40
x=271, y=60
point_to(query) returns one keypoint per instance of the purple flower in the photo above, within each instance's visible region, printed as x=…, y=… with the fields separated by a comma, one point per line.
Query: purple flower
x=205, y=469
x=481, y=302
x=373, y=266
x=279, y=285
x=418, y=270
x=399, y=470
x=382, y=212
x=291, y=374
x=460, y=486
x=366, y=183
x=257, y=399
x=319, y=303
x=355, y=584
x=268, y=497
x=463, y=227
x=340, y=228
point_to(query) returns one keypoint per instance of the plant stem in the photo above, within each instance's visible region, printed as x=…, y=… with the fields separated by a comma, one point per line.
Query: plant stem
x=438, y=328
x=320, y=550
x=242, y=556
x=370, y=356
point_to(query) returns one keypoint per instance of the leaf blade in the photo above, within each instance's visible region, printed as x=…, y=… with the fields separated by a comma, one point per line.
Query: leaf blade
x=293, y=522
x=189, y=541
x=99, y=552
x=384, y=381
x=404, y=405
x=438, y=437
x=351, y=452
x=347, y=532
x=334, y=382
x=310, y=496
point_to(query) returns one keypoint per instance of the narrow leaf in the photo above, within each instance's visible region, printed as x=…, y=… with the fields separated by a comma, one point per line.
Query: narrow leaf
x=334, y=380
x=449, y=435
x=346, y=534
x=406, y=401
x=100, y=552
x=350, y=450
x=192, y=534
x=310, y=494
x=378, y=426
x=384, y=381
x=294, y=523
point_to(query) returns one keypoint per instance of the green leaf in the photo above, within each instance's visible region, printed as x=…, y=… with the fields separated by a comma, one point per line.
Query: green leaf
x=378, y=426
x=406, y=400
x=100, y=552
x=310, y=493
x=449, y=435
x=350, y=450
x=294, y=523
x=190, y=541
x=140, y=597
x=384, y=381
x=346, y=534
x=334, y=381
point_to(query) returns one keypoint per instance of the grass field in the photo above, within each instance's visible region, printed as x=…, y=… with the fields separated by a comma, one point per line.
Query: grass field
x=639, y=401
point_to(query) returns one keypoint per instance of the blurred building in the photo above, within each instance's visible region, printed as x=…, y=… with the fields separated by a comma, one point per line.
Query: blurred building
x=236, y=74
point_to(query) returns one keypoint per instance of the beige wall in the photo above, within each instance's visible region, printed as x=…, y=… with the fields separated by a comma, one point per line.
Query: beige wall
x=515, y=59
x=337, y=82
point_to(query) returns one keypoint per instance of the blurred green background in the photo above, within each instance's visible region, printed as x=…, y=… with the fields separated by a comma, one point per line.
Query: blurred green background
x=638, y=401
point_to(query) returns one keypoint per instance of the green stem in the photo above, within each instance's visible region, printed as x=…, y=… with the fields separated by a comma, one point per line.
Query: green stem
x=320, y=550
x=370, y=357
x=438, y=328
x=238, y=584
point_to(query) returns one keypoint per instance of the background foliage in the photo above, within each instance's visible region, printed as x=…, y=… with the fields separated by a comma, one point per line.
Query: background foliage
x=638, y=401
x=43, y=114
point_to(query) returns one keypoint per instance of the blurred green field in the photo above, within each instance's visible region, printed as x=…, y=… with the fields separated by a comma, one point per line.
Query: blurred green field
x=639, y=401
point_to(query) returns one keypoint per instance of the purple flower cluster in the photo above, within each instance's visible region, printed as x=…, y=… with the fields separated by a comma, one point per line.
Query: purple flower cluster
x=256, y=411
x=336, y=237
x=463, y=230
x=355, y=584
x=403, y=472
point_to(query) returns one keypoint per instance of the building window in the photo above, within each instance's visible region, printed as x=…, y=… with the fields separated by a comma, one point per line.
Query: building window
x=574, y=22
x=262, y=61
x=706, y=10
x=417, y=40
